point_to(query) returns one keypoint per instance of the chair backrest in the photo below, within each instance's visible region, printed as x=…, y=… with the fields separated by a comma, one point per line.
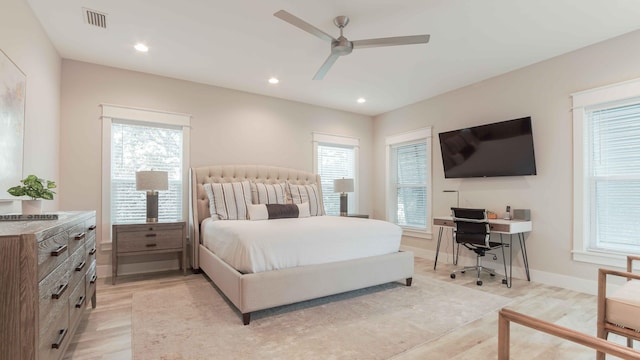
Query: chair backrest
x=471, y=226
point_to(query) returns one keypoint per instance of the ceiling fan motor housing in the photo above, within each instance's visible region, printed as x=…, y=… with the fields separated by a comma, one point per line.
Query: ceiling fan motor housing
x=341, y=46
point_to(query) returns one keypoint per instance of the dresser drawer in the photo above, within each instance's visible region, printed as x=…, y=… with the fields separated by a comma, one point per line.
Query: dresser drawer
x=54, y=292
x=150, y=239
x=77, y=301
x=54, y=338
x=91, y=279
x=77, y=237
x=90, y=251
x=78, y=266
x=51, y=253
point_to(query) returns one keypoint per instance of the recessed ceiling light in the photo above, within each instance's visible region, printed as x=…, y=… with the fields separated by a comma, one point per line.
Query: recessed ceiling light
x=141, y=47
x=362, y=100
x=273, y=80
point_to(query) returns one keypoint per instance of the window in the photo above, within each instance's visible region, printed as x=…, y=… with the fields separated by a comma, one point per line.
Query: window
x=133, y=140
x=409, y=181
x=144, y=146
x=607, y=173
x=336, y=157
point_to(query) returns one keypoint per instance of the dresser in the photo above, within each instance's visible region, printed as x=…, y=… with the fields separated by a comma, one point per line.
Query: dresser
x=47, y=275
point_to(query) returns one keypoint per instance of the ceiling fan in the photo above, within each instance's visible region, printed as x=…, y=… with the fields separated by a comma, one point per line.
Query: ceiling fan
x=342, y=46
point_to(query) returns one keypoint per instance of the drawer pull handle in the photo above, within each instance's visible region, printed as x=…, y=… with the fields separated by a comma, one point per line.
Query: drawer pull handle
x=61, y=334
x=61, y=291
x=80, y=302
x=93, y=251
x=150, y=235
x=92, y=227
x=80, y=236
x=151, y=245
x=93, y=279
x=81, y=266
x=60, y=250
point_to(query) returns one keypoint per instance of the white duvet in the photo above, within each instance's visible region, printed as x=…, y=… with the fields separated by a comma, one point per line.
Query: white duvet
x=256, y=246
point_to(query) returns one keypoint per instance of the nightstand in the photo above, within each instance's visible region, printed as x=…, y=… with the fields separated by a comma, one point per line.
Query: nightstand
x=364, y=216
x=146, y=239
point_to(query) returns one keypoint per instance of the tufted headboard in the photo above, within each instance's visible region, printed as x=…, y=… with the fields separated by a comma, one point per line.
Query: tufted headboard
x=230, y=173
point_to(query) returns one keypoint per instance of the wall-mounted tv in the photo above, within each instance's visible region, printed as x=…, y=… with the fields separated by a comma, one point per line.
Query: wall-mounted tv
x=499, y=149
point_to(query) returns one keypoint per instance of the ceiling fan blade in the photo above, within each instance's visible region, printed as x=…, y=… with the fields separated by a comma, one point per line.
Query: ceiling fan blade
x=325, y=67
x=391, y=41
x=303, y=25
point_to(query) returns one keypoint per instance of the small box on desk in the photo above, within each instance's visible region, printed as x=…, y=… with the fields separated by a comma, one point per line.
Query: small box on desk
x=522, y=214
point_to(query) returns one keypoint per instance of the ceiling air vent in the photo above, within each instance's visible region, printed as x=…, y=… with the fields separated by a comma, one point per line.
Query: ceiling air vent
x=95, y=18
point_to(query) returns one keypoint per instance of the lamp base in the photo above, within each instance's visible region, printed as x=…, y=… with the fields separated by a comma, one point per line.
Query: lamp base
x=343, y=204
x=152, y=206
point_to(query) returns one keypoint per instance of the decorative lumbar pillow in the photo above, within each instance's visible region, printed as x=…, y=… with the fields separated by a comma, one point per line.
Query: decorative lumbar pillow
x=262, y=193
x=303, y=210
x=258, y=212
x=228, y=201
x=299, y=194
x=282, y=211
x=277, y=211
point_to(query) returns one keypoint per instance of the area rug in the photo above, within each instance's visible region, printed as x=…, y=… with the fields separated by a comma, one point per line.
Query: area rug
x=194, y=321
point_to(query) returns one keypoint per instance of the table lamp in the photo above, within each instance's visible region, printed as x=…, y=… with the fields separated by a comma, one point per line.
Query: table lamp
x=343, y=186
x=151, y=182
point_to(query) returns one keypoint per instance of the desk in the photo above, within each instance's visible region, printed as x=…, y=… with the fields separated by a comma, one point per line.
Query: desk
x=497, y=226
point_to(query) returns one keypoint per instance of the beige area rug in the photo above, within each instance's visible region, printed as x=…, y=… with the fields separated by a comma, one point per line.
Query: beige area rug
x=195, y=322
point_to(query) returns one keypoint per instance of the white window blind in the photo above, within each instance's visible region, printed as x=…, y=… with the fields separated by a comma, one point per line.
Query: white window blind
x=613, y=177
x=143, y=146
x=335, y=162
x=410, y=182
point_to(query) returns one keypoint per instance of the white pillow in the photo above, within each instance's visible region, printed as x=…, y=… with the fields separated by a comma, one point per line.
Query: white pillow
x=228, y=201
x=262, y=193
x=298, y=194
x=303, y=210
x=258, y=212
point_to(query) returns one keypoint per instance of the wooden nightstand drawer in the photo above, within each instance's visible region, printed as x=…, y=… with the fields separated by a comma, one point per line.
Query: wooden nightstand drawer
x=130, y=241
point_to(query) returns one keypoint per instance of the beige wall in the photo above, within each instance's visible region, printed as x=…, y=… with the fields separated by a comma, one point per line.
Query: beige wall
x=227, y=127
x=26, y=44
x=541, y=91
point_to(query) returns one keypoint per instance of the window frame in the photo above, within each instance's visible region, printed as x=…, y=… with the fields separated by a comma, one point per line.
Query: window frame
x=117, y=113
x=607, y=96
x=414, y=136
x=344, y=142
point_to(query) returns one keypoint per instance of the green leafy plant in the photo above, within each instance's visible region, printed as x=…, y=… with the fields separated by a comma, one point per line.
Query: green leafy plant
x=34, y=187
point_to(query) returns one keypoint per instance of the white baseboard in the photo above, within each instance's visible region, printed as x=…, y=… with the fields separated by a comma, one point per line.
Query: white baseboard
x=543, y=277
x=104, y=271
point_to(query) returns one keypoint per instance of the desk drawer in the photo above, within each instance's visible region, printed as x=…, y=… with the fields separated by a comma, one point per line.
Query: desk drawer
x=149, y=240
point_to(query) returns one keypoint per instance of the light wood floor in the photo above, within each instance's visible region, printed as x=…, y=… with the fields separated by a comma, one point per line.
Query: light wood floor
x=105, y=332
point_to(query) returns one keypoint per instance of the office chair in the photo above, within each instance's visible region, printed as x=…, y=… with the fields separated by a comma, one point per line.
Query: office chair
x=471, y=230
x=619, y=311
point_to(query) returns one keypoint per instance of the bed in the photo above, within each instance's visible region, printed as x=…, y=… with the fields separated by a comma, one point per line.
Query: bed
x=252, y=291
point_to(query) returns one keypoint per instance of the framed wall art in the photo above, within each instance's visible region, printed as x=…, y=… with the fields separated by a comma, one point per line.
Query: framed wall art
x=13, y=93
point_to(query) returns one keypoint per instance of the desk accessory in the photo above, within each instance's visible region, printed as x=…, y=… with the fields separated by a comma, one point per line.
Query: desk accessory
x=522, y=214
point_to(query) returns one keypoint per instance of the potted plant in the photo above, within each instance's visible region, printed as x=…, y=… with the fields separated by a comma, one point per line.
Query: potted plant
x=37, y=189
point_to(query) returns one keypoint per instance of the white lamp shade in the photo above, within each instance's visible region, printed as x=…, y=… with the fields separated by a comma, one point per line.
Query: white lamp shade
x=343, y=185
x=152, y=180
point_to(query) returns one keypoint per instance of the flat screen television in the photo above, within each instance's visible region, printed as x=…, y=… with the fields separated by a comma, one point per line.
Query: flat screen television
x=499, y=149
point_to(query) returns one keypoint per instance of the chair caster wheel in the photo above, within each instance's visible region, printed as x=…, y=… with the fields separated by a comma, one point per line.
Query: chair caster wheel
x=453, y=276
x=492, y=274
x=504, y=281
x=479, y=282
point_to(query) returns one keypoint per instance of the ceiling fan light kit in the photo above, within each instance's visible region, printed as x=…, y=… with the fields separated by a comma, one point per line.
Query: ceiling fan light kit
x=342, y=46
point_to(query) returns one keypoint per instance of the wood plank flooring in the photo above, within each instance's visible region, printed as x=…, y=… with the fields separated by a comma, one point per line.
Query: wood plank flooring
x=105, y=332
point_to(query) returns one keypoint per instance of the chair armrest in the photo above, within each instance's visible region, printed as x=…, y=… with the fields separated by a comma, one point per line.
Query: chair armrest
x=630, y=259
x=625, y=274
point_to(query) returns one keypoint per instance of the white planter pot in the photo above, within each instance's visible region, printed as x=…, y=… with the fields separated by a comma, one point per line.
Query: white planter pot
x=31, y=207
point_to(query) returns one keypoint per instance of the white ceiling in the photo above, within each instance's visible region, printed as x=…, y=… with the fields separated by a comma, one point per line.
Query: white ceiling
x=239, y=44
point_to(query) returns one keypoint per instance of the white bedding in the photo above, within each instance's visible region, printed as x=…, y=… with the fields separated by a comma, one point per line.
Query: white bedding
x=256, y=246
